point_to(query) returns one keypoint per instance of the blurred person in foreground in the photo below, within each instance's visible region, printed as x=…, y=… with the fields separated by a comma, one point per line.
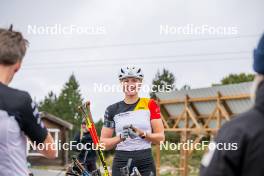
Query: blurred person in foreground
x=19, y=116
x=246, y=131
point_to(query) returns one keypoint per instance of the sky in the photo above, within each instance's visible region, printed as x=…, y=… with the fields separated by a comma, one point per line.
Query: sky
x=131, y=32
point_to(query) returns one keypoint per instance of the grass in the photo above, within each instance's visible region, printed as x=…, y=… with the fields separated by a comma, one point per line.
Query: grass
x=170, y=162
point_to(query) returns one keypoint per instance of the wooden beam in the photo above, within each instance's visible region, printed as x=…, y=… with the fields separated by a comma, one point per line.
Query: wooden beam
x=236, y=97
x=164, y=111
x=222, y=109
x=204, y=99
x=193, y=117
x=179, y=118
x=184, y=155
x=190, y=129
x=218, y=113
x=196, y=141
x=224, y=112
x=195, y=110
x=189, y=112
x=210, y=118
x=157, y=160
x=198, y=117
x=227, y=108
x=164, y=121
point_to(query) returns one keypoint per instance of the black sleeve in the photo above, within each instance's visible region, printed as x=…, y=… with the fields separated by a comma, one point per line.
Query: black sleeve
x=225, y=161
x=77, y=137
x=109, y=118
x=32, y=124
x=76, y=141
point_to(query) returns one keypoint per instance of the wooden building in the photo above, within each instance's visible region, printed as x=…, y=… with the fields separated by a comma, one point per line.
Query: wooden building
x=200, y=112
x=59, y=129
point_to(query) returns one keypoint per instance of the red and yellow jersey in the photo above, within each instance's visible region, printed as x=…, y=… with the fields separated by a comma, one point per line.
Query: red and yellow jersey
x=138, y=114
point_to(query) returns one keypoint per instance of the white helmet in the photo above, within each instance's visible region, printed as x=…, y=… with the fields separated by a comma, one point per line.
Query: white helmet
x=130, y=72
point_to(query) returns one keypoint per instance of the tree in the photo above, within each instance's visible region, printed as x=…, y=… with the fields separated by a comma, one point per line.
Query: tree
x=99, y=125
x=162, y=82
x=237, y=78
x=66, y=105
x=68, y=102
x=49, y=103
x=186, y=87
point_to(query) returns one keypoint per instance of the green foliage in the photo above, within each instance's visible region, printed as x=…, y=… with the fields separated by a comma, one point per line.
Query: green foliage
x=172, y=137
x=237, y=78
x=161, y=80
x=170, y=159
x=186, y=87
x=66, y=105
x=48, y=104
x=99, y=126
x=68, y=101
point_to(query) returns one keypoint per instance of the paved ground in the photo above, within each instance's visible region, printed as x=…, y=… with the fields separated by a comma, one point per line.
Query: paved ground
x=50, y=172
x=38, y=172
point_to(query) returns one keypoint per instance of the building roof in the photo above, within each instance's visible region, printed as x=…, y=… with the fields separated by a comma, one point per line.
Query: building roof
x=57, y=120
x=206, y=107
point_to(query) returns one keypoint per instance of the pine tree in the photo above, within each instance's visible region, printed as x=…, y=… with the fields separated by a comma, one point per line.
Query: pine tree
x=161, y=80
x=66, y=105
x=186, y=87
x=49, y=103
x=68, y=102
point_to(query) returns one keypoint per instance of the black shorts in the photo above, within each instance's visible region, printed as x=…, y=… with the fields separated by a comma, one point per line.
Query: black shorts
x=142, y=159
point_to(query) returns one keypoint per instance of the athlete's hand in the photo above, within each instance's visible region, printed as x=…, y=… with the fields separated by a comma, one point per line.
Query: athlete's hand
x=131, y=131
x=125, y=133
x=135, y=132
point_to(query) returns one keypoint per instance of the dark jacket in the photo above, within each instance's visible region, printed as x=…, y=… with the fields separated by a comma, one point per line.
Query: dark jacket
x=247, y=130
x=85, y=155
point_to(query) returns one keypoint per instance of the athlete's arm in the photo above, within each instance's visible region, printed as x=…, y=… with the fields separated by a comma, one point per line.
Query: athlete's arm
x=157, y=134
x=107, y=138
x=48, y=152
x=34, y=128
x=107, y=132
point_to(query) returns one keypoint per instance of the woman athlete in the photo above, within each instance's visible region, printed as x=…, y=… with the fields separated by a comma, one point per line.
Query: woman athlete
x=136, y=123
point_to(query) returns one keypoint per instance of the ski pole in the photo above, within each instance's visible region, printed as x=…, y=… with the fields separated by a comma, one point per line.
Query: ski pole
x=124, y=171
x=80, y=167
x=85, y=109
